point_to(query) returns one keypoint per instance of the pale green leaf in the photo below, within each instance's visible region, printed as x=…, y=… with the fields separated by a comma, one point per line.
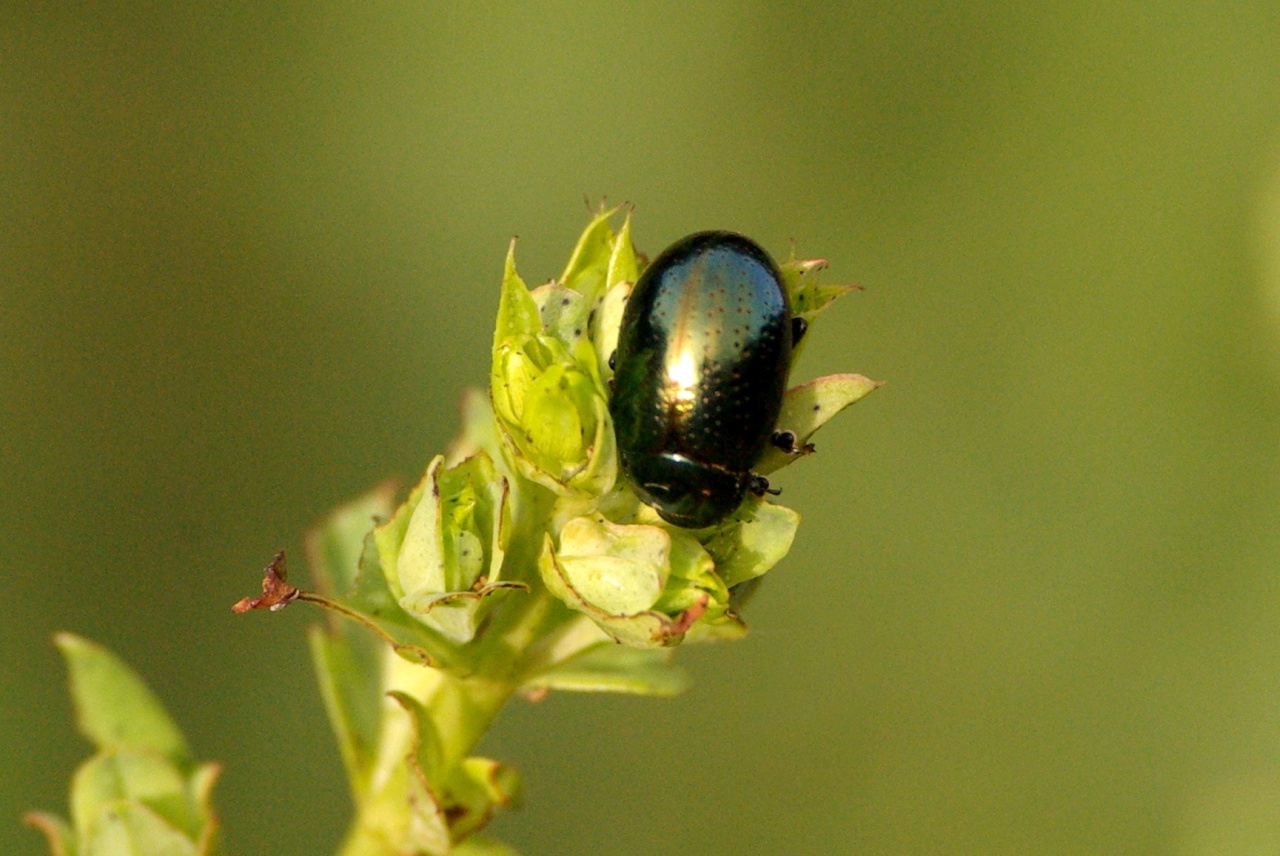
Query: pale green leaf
x=202, y=782
x=457, y=615
x=588, y=266
x=427, y=747
x=433, y=796
x=808, y=407
x=807, y=297
x=611, y=668
x=751, y=546
x=565, y=313
x=609, y=322
x=417, y=563
x=133, y=775
x=623, y=264
x=133, y=829
x=478, y=788
x=349, y=659
x=517, y=314
x=114, y=707
x=372, y=603
x=389, y=537
x=646, y=629
x=352, y=699
x=444, y=543
x=619, y=568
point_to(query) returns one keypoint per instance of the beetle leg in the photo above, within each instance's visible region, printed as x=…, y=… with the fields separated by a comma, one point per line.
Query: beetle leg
x=786, y=441
x=759, y=485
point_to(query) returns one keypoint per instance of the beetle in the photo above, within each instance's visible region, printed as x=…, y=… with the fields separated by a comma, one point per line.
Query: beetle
x=704, y=350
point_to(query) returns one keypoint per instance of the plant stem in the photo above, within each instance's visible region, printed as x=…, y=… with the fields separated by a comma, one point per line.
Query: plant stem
x=462, y=710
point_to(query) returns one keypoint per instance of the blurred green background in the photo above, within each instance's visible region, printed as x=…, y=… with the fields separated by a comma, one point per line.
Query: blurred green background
x=249, y=255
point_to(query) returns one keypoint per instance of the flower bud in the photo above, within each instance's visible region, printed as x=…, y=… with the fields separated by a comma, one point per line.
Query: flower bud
x=548, y=400
x=442, y=552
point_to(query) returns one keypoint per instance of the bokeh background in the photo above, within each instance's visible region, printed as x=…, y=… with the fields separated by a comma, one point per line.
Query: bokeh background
x=250, y=253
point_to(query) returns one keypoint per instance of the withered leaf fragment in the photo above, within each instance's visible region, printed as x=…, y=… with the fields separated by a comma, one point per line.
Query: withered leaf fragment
x=276, y=593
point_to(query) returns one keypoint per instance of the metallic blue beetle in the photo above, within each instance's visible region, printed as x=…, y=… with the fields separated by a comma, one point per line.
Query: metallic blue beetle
x=703, y=355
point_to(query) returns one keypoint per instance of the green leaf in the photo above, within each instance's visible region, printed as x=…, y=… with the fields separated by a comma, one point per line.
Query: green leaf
x=607, y=309
x=426, y=826
x=389, y=537
x=727, y=626
x=619, y=568
x=611, y=668
x=355, y=680
x=458, y=615
x=114, y=707
x=588, y=267
x=565, y=314
x=749, y=547
x=350, y=660
x=808, y=298
x=553, y=416
x=133, y=775
x=696, y=583
x=555, y=423
x=645, y=629
x=517, y=313
x=449, y=800
x=133, y=829
x=808, y=407
x=417, y=562
x=455, y=532
x=691, y=564
x=352, y=698
x=141, y=793
x=480, y=787
x=201, y=784
x=405, y=813
x=442, y=551
x=623, y=264
x=427, y=747
x=608, y=323
x=373, y=603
